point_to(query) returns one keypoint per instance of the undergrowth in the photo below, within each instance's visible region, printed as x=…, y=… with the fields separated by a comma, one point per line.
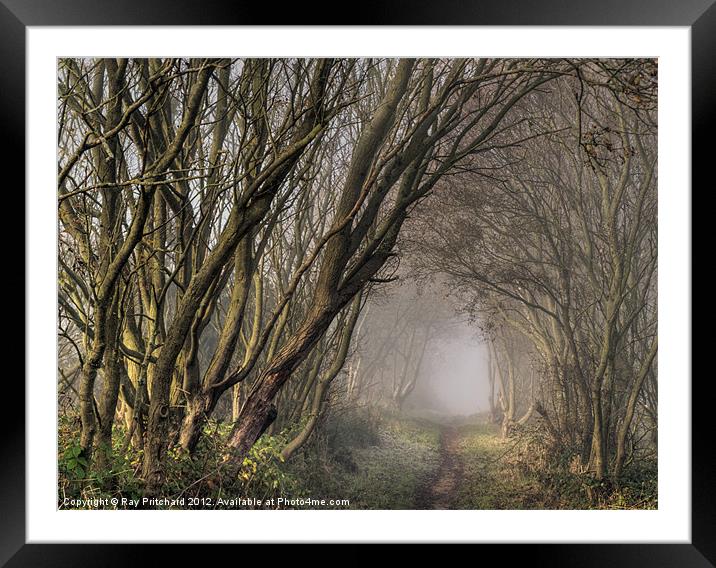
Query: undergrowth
x=373, y=458
x=525, y=472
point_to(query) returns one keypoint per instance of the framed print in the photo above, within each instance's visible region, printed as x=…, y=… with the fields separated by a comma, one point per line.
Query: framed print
x=393, y=280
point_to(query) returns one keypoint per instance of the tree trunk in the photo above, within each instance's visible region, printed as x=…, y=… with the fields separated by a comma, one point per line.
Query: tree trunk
x=629, y=413
x=201, y=404
x=597, y=461
x=198, y=409
x=235, y=402
x=302, y=437
x=257, y=415
x=110, y=393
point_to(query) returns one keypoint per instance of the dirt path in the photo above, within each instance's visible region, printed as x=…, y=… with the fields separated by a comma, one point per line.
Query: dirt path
x=440, y=492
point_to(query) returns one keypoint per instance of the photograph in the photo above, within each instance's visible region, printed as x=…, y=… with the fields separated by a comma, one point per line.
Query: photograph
x=357, y=283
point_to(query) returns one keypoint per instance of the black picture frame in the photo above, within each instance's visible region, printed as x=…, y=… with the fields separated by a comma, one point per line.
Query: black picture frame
x=699, y=15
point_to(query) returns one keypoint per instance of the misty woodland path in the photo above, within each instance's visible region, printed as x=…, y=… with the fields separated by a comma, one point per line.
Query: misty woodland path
x=441, y=491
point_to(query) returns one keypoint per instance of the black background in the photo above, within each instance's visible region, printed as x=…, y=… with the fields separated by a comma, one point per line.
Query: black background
x=15, y=15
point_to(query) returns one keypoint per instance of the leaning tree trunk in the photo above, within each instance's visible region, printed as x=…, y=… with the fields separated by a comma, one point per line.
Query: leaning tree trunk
x=259, y=411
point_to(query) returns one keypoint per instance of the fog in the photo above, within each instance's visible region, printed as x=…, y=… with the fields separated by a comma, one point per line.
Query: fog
x=454, y=379
x=416, y=351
